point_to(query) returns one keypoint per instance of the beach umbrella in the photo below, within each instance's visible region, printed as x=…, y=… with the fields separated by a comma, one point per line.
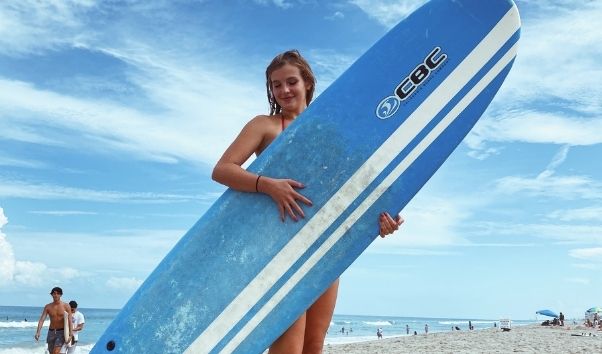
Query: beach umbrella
x=549, y=313
x=594, y=310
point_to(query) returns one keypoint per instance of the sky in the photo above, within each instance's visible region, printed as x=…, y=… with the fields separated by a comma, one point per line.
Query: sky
x=113, y=113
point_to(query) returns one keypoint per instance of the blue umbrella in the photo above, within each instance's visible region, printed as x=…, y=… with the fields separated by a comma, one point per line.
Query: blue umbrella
x=549, y=313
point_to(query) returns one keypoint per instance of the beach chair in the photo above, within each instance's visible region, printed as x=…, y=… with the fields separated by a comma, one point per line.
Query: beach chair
x=505, y=324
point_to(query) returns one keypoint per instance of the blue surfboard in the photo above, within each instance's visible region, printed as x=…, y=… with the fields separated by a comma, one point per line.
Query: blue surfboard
x=366, y=145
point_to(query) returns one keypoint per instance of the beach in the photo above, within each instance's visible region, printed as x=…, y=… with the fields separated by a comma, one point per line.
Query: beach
x=355, y=334
x=521, y=339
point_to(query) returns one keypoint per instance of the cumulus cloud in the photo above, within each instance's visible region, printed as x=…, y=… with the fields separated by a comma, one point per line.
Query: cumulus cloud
x=13, y=271
x=125, y=284
x=7, y=257
x=30, y=273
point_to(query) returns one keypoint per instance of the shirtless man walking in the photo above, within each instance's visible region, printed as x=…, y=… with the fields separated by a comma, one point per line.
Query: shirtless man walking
x=56, y=310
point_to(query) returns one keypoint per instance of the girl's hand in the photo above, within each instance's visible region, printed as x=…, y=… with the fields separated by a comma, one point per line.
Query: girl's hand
x=284, y=195
x=388, y=225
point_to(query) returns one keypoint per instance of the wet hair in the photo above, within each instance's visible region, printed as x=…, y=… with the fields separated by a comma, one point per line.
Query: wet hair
x=73, y=304
x=292, y=57
x=57, y=290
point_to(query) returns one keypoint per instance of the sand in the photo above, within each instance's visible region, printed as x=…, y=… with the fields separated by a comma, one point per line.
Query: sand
x=523, y=339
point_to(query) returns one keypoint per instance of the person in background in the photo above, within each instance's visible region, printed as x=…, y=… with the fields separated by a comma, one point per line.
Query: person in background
x=78, y=325
x=426, y=328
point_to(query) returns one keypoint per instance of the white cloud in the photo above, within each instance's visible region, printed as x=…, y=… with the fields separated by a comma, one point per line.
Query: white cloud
x=564, y=187
x=3, y=218
x=31, y=273
x=7, y=257
x=536, y=127
x=181, y=134
x=588, y=266
x=125, y=284
x=546, y=184
x=429, y=222
x=337, y=15
x=29, y=26
x=590, y=254
x=582, y=281
x=19, y=189
x=328, y=66
x=62, y=212
x=388, y=12
x=552, y=95
x=593, y=213
x=200, y=104
x=278, y=3
x=561, y=233
x=13, y=271
x=8, y=161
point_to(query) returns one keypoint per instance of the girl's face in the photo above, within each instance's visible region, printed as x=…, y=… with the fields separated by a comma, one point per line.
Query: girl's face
x=289, y=88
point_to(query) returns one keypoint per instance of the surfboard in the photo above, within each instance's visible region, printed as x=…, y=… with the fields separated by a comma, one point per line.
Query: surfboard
x=240, y=277
x=66, y=326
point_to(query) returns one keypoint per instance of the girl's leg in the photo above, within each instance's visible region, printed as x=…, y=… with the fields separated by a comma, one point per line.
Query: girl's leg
x=318, y=318
x=291, y=341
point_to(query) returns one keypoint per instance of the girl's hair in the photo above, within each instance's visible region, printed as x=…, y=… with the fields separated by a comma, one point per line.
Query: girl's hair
x=291, y=57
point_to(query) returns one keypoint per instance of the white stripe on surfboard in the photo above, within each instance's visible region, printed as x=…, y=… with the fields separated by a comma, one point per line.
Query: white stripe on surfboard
x=367, y=203
x=264, y=281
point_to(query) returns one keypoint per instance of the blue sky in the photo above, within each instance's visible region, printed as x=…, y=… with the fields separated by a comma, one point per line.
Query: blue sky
x=112, y=115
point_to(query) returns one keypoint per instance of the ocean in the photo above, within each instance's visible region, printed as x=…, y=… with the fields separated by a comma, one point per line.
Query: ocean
x=18, y=325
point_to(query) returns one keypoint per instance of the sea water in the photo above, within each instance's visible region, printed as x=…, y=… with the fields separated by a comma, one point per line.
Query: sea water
x=18, y=326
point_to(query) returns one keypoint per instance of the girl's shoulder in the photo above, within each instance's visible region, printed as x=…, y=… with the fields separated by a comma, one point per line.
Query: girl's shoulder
x=264, y=118
x=265, y=121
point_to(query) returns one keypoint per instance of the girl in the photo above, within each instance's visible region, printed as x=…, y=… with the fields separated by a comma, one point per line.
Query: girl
x=290, y=85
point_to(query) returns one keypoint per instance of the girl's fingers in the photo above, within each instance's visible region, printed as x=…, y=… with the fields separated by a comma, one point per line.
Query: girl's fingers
x=298, y=209
x=281, y=212
x=399, y=220
x=290, y=212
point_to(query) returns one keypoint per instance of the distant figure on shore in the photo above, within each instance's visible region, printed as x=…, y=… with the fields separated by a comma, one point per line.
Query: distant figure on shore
x=457, y=328
x=415, y=333
x=379, y=333
x=343, y=330
x=426, y=328
x=561, y=318
x=56, y=310
x=407, y=329
x=494, y=324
